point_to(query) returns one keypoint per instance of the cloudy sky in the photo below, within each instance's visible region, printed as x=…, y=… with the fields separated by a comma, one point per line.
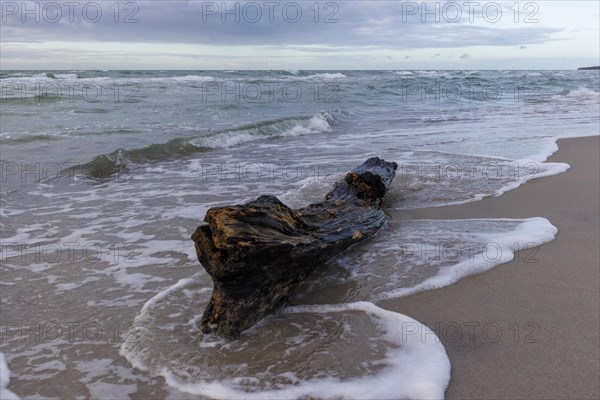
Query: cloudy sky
x=271, y=34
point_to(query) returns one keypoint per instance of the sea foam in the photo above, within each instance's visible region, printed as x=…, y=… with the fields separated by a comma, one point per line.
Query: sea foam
x=5, y=394
x=417, y=255
x=294, y=354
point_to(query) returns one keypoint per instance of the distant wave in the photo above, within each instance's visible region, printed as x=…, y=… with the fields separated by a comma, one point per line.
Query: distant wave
x=337, y=75
x=583, y=93
x=62, y=76
x=28, y=139
x=320, y=76
x=187, y=78
x=71, y=77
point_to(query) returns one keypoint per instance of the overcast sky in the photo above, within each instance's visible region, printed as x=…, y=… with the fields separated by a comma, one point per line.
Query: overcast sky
x=299, y=35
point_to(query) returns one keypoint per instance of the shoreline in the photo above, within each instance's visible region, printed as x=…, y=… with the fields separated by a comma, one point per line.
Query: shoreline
x=528, y=328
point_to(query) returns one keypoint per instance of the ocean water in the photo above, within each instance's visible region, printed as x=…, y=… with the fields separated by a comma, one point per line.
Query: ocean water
x=105, y=175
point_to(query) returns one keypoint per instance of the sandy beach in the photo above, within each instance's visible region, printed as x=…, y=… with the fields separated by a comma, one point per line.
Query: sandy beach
x=529, y=328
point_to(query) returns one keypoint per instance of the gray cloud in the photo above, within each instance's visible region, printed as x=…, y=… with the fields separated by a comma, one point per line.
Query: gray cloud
x=464, y=56
x=381, y=24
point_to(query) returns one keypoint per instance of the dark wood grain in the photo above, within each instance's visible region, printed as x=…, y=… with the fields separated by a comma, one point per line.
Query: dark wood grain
x=257, y=252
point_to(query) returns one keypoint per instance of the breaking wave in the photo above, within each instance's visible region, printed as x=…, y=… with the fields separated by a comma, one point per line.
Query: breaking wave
x=106, y=165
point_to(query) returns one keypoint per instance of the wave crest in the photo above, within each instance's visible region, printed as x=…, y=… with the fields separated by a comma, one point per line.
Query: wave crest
x=106, y=165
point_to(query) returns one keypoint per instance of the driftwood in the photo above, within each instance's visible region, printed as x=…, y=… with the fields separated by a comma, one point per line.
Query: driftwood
x=256, y=253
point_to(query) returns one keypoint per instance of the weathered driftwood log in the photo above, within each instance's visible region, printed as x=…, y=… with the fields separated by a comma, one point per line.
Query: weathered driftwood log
x=256, y=253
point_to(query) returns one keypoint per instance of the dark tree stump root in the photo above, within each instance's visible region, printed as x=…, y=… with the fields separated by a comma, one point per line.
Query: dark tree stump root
x=257, y=252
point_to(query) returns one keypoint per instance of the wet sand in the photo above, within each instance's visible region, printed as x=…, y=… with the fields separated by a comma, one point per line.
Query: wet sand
x=529, y=328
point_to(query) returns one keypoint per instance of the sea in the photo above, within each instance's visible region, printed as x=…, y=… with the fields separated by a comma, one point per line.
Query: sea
x=106, y=174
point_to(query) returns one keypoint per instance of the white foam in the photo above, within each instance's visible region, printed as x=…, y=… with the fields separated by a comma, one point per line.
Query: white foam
x=475, y=181
x=70, y=78
x=5, y=394
x=432, y=73
x=414, y=368
x=321, y=76
x=417, y=255
x=408, y=366
x=547, y=148
x=162, y=295
x=318, y=123
x=66, y=76
x=541, y=170
x=531, y=232
x=187, y=78
x=308, y=190
x=337, y=75
x=583, y=93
